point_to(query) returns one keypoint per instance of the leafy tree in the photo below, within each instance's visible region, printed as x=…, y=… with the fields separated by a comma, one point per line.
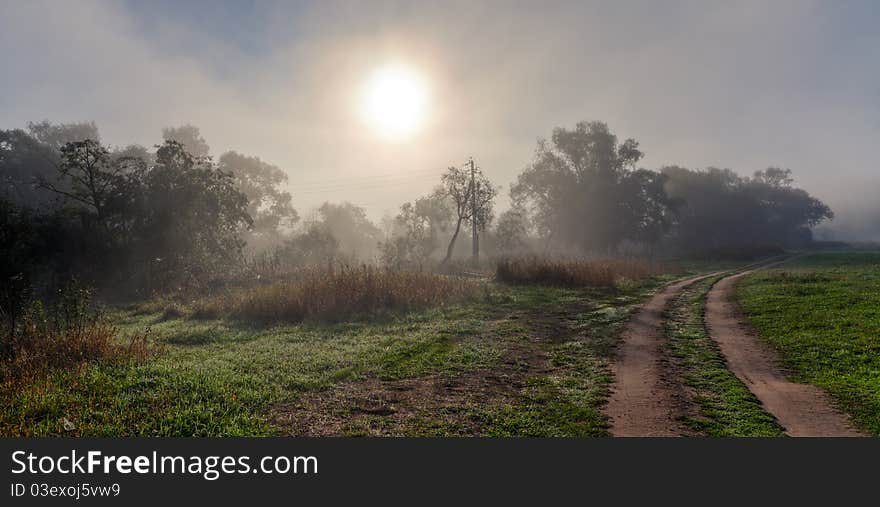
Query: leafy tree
x=774, y=177
x=95, y=189
x=28, y=157
x=511, y=230
x=416, y=232
x=21, y=249
x=358, y=237
x=94, y=182
x=23, y=161
x=132, y=157
x=190, y=137
x=57, y=135
x=650, y=211
x=411, y=243
x=436, y=209
x=193, y=218
x=268, y=205
x=315, y=247
x=722, y=210
x=583, y=190
x=38, y=248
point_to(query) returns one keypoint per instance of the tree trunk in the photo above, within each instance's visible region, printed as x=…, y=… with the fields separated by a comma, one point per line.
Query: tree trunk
x=452, y=243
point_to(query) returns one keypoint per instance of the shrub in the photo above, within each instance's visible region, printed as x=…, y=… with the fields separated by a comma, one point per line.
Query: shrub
x=67, y=334
x=575, y=272
x=336, y=294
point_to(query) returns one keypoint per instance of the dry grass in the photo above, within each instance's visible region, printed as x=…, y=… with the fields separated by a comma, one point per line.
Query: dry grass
x=337, y=294
x=39, y=344
x=576, y=272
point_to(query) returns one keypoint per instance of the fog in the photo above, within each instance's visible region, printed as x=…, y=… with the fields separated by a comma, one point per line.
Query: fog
x=745, y=86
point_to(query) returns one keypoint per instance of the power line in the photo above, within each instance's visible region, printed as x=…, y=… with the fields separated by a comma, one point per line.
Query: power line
x=364, y=186
x=371, y=177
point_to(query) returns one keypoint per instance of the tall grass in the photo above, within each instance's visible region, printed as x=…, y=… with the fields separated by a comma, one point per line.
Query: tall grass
x=67, y=334
x=337, y=294
x=575, y=272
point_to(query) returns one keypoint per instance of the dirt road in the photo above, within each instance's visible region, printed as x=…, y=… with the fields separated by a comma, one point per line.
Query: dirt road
x=802, y=409
x=642, y=404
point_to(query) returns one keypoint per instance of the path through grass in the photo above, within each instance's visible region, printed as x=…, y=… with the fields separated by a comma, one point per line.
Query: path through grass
x=725, y=406
x=548, y=349
x=822, y=313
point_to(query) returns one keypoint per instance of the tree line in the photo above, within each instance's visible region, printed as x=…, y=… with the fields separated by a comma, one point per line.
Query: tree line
x=583, y=191
x=141, y=220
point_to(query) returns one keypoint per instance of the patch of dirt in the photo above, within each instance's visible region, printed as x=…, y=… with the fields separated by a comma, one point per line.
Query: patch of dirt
x=803, y=410
x=391, y=407
x=379, y=407
x=646, y=399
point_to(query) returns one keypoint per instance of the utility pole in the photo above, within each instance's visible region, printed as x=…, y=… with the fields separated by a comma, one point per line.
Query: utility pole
x=475, y=241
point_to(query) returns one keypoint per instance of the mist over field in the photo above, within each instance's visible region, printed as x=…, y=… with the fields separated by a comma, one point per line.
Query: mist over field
x=482, y=218
x=743, y=85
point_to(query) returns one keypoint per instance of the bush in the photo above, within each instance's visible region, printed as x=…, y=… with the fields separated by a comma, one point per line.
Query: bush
x=576, y=272
x=70, y=333
x=337, y=294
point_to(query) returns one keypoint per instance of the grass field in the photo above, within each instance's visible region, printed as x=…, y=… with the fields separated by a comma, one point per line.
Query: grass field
x=509, y=360
x=822, y=313
x=525, y=360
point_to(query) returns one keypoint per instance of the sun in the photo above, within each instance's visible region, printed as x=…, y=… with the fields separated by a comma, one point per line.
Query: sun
x=395, y=102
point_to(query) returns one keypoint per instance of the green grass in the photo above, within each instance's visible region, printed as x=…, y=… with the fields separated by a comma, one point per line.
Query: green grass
x=223, y=378
x=726, y=406
x=822, y=313
x=219, y=378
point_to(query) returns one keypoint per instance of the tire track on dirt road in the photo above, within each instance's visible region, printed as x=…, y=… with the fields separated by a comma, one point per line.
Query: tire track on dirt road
x=642, y=404
x=802, y=409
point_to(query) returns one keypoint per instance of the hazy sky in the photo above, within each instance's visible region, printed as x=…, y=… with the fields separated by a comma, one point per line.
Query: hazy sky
x=743, y=85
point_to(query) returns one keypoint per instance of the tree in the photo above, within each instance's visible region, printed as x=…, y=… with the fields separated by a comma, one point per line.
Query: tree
x=132, y=157
x=358, y=237
x=411, y=244
x=789, y=213
x=93, y=180
x=190, y=137
x=315, y=247
x=193, y=218
x=471, y=195
x=722, y=210
x=774, y=177
x=268, y=205
x=28, y=157
x=584, y=191
x=416, y=230
x=104, y=192
x=511, y=231
x=23, y=162
x=57, y=135
x=652, y=213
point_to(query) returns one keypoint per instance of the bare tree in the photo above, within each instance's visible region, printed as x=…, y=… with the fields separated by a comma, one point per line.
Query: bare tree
x=471, y=195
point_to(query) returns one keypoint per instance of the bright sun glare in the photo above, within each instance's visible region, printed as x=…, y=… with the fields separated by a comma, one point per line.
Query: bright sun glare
x=395, y=100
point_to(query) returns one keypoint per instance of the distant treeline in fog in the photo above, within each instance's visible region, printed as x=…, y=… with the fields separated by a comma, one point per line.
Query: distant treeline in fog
x=137, y=221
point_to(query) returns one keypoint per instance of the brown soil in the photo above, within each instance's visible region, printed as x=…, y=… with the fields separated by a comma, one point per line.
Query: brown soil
x=646, y=400
x=394, y=407
x=445, y=402
x=802, y=409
